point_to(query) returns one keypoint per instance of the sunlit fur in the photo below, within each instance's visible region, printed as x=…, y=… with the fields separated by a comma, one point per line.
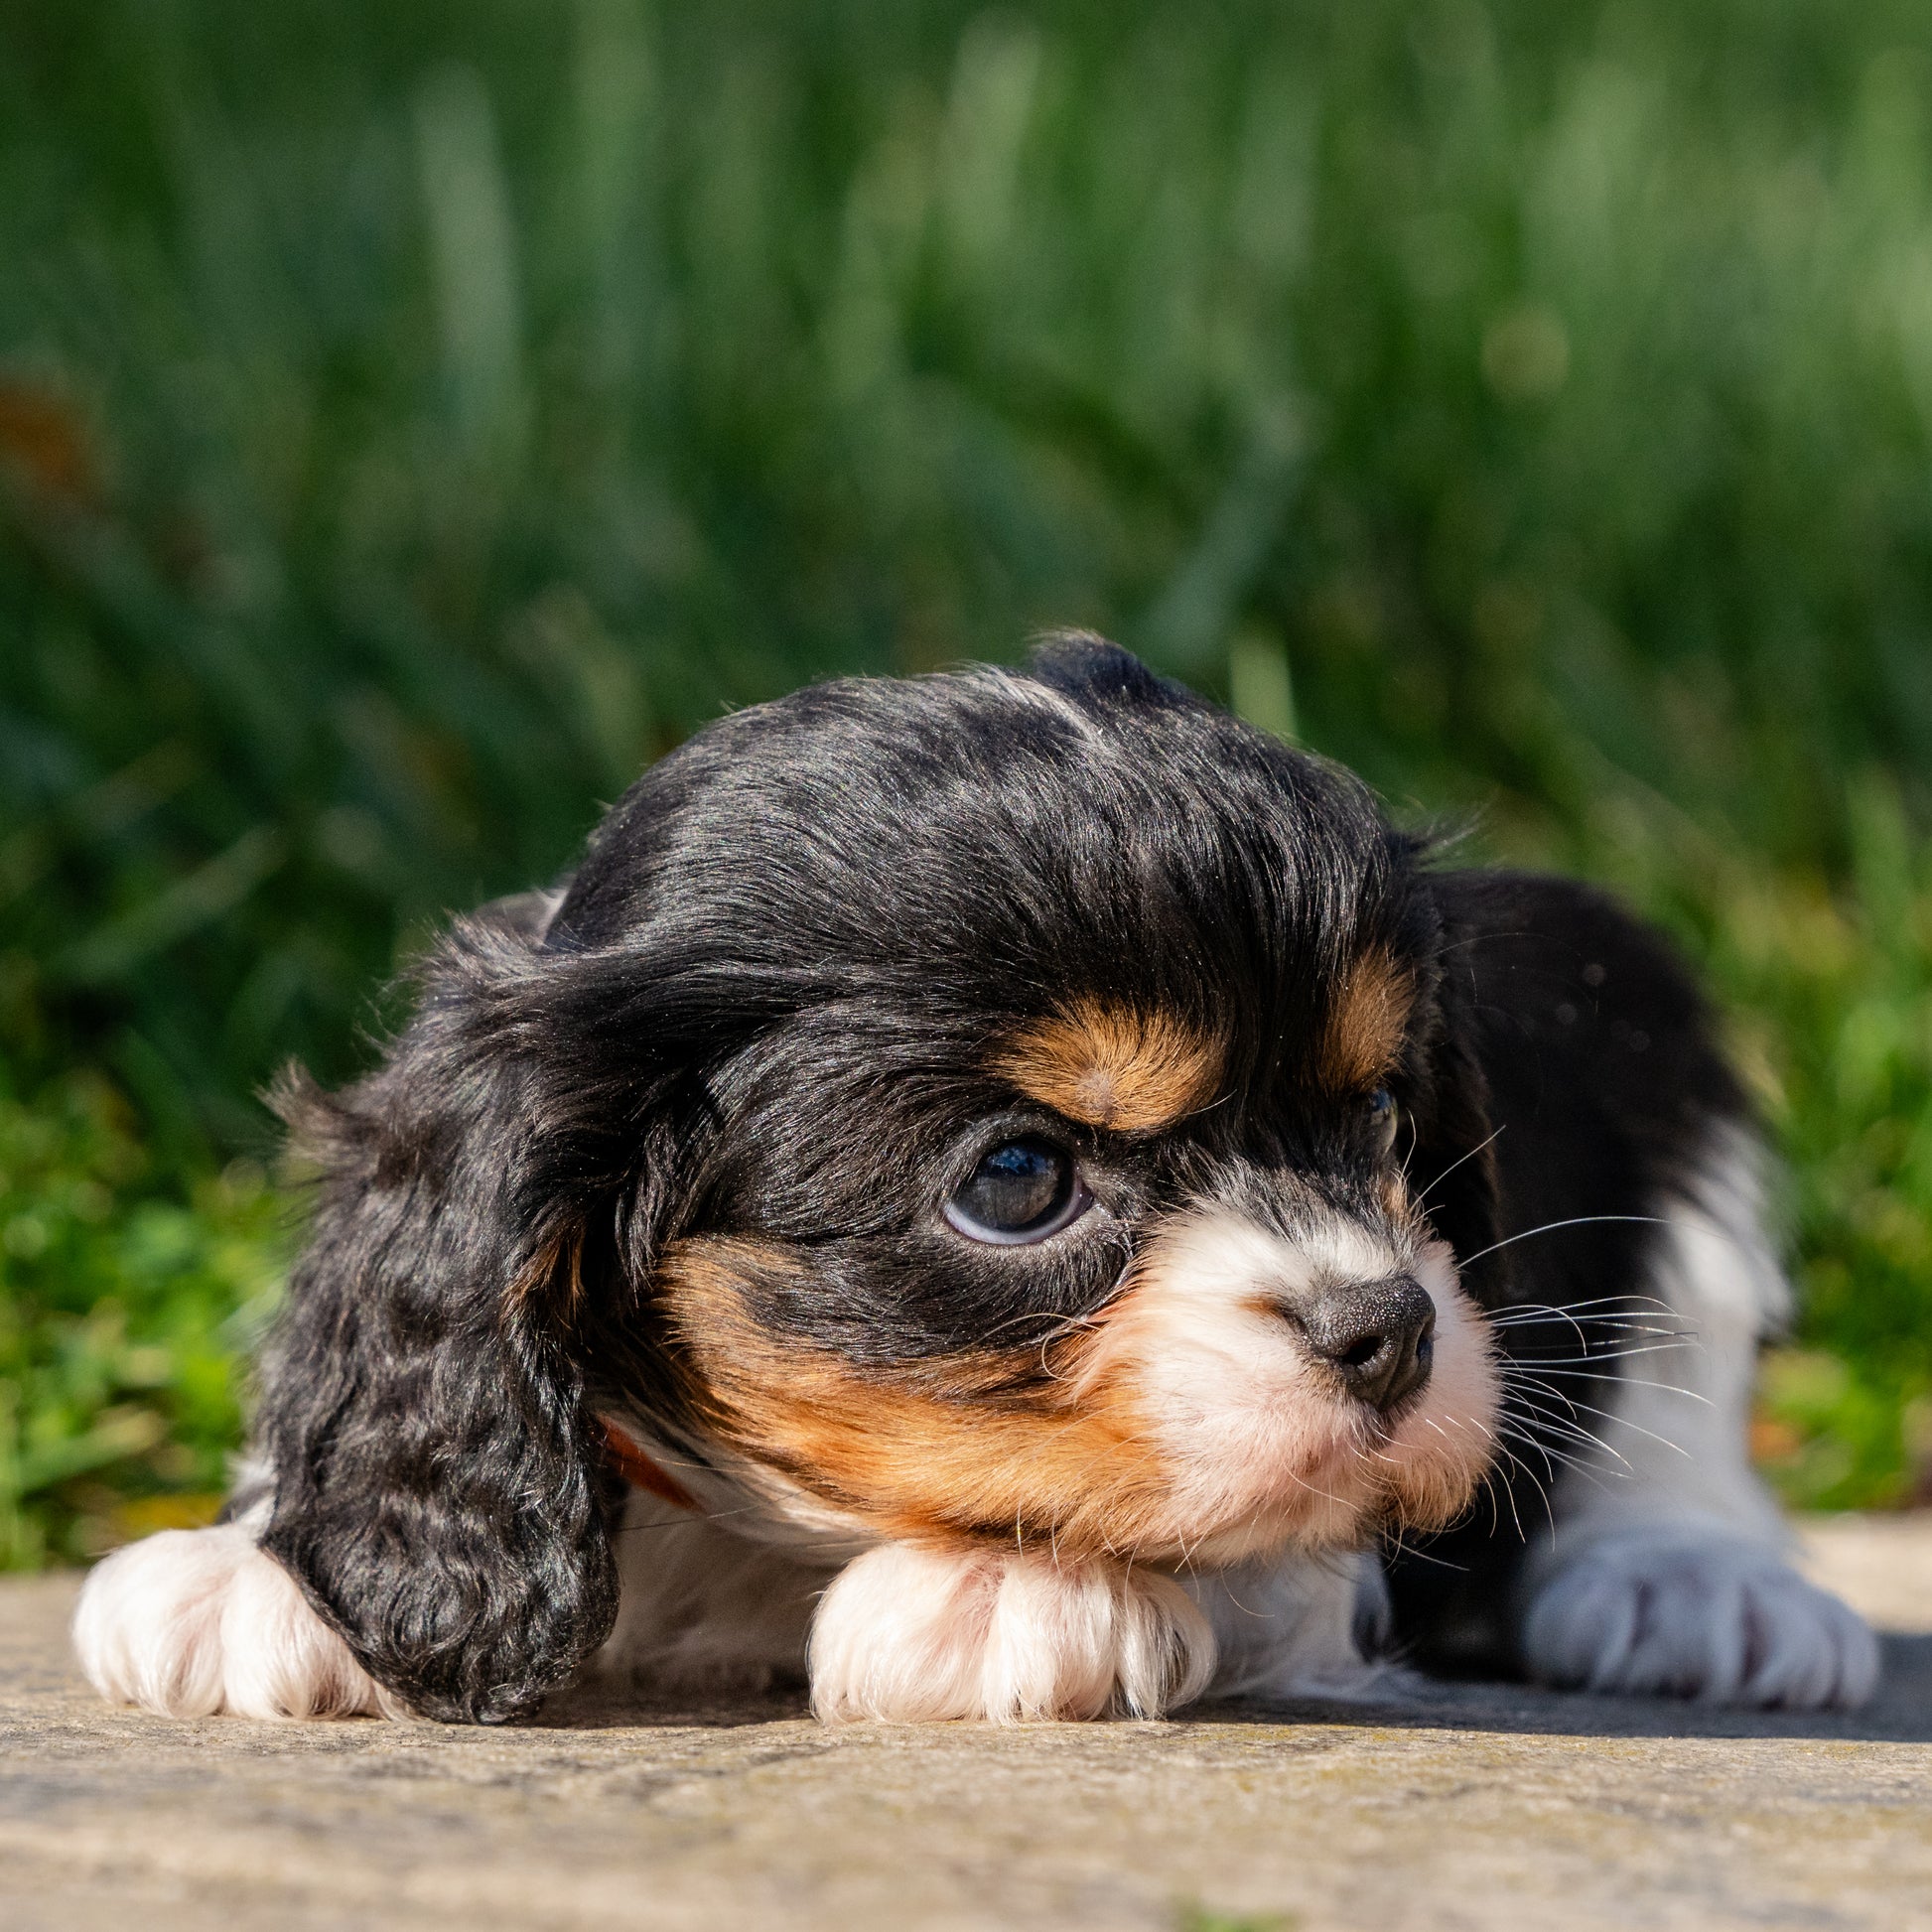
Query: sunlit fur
x=1258, y=1451
x=1185, y=1423
x=671, y=1148
x=1363, y=1043
x=191, y=1623
x=910, y=1633
x=1113, y=1066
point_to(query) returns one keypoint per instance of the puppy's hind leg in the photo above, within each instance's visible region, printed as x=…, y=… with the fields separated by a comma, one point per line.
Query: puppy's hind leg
x=1668, y=1572
x=191, y=1623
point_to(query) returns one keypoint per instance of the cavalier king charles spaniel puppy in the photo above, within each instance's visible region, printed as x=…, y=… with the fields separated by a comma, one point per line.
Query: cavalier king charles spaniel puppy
x=1008, y=1196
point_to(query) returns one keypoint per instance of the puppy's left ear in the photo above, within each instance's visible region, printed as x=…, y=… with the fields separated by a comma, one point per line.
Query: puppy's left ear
x=434, y=1490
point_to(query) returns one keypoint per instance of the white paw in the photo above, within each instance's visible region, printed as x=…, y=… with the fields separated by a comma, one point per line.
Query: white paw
x=909, y=1634
x=1679, y=1613
x=194, y=1621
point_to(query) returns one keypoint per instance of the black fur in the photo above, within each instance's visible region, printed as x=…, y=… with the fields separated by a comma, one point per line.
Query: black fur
x=422, y=1413
x=1602, y=1087
x=765, y=1006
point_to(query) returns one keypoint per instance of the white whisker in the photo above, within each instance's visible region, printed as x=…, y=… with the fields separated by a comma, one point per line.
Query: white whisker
x=1625, y=1382
x=1550, y=1227
x=1605, y=1355
x=1453, y=1165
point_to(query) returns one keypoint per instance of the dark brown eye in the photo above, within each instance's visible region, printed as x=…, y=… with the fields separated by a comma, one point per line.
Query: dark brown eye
x=1021, y=1192
x=1383, y=1115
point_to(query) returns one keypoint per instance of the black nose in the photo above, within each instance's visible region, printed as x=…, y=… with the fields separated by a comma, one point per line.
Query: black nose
x=1376, y=1336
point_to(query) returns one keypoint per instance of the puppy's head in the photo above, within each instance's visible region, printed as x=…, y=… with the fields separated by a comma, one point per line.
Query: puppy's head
x=991, y=1106
x=1047, y=1166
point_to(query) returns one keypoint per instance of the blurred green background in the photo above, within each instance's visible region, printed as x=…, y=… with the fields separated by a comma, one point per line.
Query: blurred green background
x=414, y=419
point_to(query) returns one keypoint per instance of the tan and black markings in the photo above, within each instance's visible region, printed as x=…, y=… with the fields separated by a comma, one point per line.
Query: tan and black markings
x=1085, y=1444
x=981, y=1442
x=1362, y=1042
x=1126, y=1070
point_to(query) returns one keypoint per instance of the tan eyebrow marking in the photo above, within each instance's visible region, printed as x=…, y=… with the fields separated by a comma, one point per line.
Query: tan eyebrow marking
x=1114, y=1066
x=1366, y=1024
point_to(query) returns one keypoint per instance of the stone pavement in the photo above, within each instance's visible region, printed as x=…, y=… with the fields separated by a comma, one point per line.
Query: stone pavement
x=1481, y=1807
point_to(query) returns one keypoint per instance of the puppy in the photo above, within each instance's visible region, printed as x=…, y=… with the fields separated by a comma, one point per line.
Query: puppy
x=1018, y=1196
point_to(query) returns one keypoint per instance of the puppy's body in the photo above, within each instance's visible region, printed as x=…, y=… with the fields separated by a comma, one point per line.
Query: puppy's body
x=1047, y=1185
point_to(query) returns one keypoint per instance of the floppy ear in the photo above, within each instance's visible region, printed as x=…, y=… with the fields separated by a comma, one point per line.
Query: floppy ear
x=435, y=1491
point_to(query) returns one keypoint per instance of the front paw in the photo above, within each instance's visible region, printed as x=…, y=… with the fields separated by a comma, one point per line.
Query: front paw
x=191, y=1622
x=909, y=1634
x=1678, y=1613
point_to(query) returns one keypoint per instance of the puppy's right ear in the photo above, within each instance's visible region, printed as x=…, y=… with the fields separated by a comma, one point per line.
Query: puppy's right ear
x=434, y=1490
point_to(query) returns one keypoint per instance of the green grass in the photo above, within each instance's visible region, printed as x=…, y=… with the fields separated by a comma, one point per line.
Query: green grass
x=126, y=1315
x=1198, y=1919
x=413, y=420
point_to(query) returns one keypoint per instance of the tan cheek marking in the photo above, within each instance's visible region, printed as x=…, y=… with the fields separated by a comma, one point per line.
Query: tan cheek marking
x=954, y=1447
x=1365, y=1027
x=1114, y=1066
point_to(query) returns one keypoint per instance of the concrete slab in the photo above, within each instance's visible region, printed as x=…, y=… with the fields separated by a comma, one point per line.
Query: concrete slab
x=1479, y=1807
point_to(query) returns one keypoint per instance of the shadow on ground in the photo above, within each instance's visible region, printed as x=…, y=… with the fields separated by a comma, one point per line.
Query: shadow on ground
x=1900, y=1712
